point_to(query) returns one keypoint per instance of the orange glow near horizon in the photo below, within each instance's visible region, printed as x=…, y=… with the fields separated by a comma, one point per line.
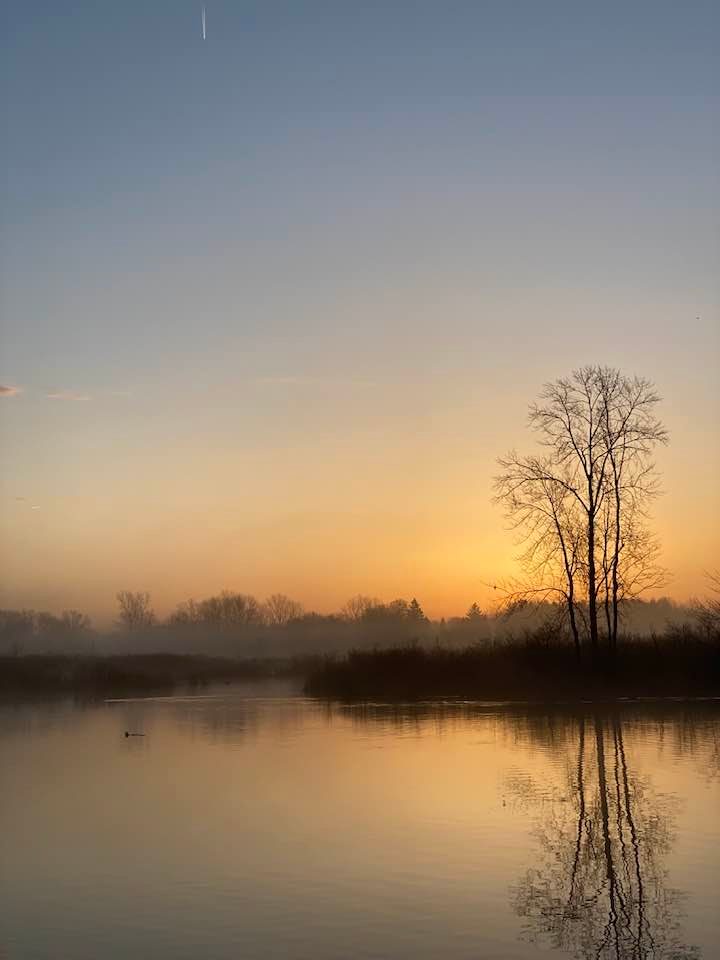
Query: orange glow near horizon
x=269, y=328
x=319, y=530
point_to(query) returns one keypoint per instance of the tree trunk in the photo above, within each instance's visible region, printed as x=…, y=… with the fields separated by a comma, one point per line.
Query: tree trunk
x=581, y=812
x=606, y=605
x=573, y=623
x=592, y=576
x=607, y=843
x=615, y=583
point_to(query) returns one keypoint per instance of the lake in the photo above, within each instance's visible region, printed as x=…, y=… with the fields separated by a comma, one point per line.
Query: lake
x=253, y=823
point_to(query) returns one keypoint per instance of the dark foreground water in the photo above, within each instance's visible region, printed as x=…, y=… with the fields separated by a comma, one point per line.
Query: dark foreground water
x=245, y=826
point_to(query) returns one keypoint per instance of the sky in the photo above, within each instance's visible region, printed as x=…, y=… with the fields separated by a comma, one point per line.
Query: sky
x=273, y=303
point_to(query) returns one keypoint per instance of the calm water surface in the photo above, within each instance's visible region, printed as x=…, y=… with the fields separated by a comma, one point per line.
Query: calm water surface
x=251, y=826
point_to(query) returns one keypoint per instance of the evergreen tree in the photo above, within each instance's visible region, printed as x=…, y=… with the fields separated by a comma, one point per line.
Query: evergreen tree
x=474, y=614
x=415, y=613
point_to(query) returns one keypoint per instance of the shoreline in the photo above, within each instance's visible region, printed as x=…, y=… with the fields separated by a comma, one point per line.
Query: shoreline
x=100, y=677
x=524, y=673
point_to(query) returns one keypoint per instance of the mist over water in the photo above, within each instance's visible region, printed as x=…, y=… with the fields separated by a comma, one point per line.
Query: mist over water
x=255, y=823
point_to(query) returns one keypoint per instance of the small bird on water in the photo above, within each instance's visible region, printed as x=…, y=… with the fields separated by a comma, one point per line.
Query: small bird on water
x=128, y=734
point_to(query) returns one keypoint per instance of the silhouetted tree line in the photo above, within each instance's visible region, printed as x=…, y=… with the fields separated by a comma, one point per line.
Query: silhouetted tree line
x=238, y=624
x=25, y=630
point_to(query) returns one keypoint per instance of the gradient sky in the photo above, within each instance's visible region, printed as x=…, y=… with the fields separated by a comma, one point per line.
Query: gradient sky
x=273, y=303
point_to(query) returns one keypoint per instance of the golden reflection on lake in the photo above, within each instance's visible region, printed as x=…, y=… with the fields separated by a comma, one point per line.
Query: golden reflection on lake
x=262, y=826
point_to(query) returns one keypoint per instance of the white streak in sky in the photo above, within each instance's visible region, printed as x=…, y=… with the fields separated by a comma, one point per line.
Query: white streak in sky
x=203, y=21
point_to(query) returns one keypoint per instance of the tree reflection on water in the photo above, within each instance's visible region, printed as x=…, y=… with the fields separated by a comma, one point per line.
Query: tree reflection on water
x=599, y=888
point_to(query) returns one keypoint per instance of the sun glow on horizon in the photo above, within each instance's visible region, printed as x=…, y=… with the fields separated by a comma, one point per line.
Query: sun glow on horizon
x=268, y=320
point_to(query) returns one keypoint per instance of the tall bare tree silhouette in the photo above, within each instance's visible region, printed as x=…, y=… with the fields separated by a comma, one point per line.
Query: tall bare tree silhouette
x=580, y=506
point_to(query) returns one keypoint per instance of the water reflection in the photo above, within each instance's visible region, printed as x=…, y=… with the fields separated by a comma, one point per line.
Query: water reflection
x=257, y=824
x=599, y=888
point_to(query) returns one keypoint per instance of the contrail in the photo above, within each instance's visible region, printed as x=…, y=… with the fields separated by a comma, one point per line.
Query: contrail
x=203, y=21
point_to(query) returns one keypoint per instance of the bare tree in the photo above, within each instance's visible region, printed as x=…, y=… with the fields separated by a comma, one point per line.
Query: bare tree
x=16, y=629
x=185, y=614
x=357, y=607
x=581, y=509
x=542, y=509
x=56, y=633
x=707, y=609
x=279, y=610
x=396, y=611
x=135, y=610
x=75, y=622
x=630, y=432
x=228, y=610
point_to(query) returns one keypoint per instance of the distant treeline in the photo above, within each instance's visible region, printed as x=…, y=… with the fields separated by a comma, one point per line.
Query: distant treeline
x=233, y=624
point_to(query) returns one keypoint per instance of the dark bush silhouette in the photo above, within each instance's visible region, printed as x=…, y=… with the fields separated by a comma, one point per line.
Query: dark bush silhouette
x=680, y=663
x=91, y=677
